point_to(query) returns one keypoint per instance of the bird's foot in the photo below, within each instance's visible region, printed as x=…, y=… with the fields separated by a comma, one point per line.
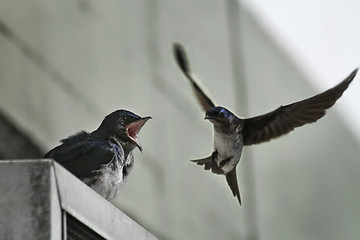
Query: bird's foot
x=223, y=162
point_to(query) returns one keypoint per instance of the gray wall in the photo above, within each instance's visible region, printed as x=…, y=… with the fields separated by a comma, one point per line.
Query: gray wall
x=64, y=65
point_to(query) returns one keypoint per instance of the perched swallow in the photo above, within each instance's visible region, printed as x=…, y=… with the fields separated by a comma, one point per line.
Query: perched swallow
x=232, y=133
x=102, y=159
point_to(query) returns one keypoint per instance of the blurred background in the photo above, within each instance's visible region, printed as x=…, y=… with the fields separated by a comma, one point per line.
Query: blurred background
x=65, y=65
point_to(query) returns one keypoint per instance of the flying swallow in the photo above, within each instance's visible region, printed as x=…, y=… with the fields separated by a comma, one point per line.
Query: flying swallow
x=232, y=133
x=103, y=158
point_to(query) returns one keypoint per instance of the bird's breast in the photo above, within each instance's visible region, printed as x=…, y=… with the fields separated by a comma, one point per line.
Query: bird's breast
x=110, y=178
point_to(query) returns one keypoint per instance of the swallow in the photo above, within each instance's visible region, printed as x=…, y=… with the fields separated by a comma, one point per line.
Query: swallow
x=232, y=133
x=103, y=158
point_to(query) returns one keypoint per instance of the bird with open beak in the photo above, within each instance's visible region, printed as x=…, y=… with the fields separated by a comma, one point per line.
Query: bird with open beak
x=103, y=158
x=231, y=133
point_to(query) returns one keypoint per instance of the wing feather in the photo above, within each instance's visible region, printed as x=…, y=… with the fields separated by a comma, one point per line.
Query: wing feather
x=83, y=154
x=284, y=119
x=182, y=60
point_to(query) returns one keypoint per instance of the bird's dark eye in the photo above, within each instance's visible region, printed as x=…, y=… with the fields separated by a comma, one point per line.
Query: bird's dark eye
x=223, y=112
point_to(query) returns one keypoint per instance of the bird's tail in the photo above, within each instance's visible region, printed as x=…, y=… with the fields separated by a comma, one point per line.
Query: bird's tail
x=209, y=164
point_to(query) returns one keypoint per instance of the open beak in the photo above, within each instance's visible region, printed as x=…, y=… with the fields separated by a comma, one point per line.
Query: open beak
x=133, y=130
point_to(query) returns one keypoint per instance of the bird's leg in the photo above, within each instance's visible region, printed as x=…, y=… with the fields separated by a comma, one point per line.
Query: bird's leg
x=214, y=155
x=223, y=162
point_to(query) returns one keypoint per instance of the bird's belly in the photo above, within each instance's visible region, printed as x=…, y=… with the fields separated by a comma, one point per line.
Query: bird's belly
x=228, y=148
x=108, y=182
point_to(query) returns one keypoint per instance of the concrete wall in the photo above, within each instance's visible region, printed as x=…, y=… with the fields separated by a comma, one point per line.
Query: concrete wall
x=64, y=65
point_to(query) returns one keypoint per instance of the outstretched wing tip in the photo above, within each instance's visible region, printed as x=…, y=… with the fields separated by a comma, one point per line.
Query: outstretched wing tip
x=349, y=78
x=355, y=70
x=353, y=74
x=181, y=58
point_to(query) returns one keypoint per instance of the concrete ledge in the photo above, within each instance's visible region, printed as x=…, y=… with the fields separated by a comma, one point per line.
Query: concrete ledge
x=37, y=195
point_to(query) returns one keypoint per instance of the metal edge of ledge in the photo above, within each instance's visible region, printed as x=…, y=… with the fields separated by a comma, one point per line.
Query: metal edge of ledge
x=93, y=210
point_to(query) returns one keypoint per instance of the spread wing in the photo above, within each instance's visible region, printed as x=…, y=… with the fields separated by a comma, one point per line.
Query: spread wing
x=82, y=155
x=183, y=63
x=233, y=184
x=284, y=119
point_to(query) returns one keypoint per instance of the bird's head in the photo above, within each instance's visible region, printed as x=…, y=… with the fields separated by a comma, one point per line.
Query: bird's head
x=124, y=126
x=221, y=117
